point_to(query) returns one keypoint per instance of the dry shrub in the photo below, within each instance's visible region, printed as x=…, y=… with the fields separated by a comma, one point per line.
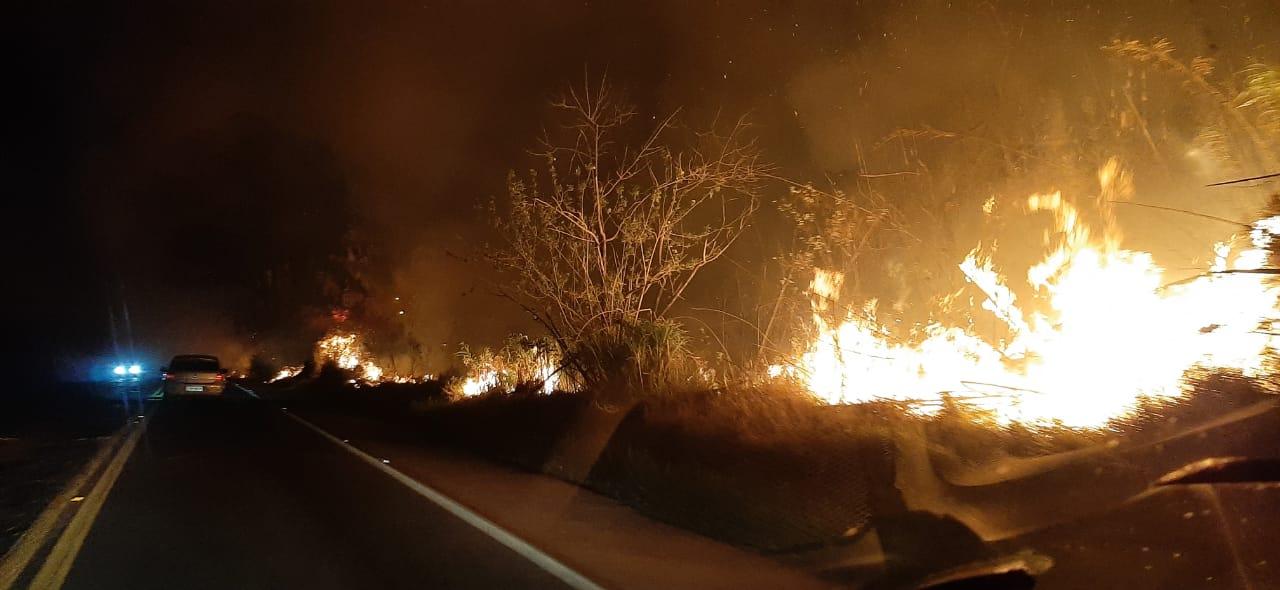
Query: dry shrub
x=607, y=236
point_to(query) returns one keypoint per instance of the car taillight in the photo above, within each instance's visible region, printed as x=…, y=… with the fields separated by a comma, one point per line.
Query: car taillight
x=219, y=377
x=167, y=376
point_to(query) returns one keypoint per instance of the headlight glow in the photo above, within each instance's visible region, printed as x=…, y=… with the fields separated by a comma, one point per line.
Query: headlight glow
x=118, y=370
x=135, y=369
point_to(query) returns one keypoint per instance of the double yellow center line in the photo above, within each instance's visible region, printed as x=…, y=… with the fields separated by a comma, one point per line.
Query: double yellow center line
x=53, y=572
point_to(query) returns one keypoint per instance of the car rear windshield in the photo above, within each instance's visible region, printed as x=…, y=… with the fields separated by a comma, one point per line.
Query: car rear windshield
x=193, y=363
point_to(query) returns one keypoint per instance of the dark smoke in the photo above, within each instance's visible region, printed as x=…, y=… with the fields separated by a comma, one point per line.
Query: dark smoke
x=270, y=161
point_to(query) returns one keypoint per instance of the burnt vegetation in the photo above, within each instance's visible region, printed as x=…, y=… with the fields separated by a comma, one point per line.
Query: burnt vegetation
x=601, y=240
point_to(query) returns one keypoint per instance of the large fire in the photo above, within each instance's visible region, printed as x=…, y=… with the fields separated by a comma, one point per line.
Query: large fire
x=346, y=350
x=1111, y=336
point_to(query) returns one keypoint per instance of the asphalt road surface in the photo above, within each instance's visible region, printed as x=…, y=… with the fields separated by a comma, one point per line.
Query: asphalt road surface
x=232, y=494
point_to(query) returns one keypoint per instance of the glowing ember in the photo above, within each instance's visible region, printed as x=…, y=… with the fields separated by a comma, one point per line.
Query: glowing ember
x=285, y=373
x=513, y=365
x=480, y=383
x=492, y=378
x=347, y=351
x=410, y=379
x=343, y=350
x=549, y=374
x=1109, y=337
x=371, y=371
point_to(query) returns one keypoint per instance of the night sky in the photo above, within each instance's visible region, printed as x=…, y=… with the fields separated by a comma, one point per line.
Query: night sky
x=178, y=157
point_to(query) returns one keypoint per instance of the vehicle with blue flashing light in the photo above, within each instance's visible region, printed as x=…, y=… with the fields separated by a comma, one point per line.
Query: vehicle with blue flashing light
x=124, y=371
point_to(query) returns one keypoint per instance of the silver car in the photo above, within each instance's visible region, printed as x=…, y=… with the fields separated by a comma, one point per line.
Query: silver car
x=194, y=374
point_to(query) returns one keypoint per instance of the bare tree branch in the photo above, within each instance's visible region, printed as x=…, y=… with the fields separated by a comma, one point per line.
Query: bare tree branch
x=609, y=235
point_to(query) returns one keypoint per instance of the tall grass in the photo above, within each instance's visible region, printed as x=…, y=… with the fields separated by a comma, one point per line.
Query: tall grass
x=636, y=359
x=521, y=363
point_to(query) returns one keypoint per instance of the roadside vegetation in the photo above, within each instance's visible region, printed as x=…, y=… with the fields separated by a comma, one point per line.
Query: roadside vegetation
x=762, y=468
x=602, y=241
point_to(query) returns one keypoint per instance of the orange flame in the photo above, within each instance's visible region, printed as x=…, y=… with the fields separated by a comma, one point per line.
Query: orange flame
x=1111, y=339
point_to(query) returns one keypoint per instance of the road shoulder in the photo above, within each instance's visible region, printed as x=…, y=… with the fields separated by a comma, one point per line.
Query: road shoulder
x=43, y=554
x=604, y=540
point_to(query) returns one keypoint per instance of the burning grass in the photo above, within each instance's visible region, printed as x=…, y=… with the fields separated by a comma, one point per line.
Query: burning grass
x=1100, y=336
x=521, y=363
x=765, y=468
x=1110, y=358
x=1070, y=340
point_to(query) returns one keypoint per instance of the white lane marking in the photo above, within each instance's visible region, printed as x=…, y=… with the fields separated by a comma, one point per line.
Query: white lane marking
x=56, y=567
x=499, y=534
x=246, y=390
x=19, y=556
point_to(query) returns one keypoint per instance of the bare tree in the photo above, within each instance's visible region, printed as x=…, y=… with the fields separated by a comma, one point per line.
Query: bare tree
x=606, y=240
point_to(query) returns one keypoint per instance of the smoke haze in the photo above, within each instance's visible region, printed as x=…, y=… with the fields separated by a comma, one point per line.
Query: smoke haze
x=195, y=156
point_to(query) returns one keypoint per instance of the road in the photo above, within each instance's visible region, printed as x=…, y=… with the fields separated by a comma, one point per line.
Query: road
x=233, y=494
